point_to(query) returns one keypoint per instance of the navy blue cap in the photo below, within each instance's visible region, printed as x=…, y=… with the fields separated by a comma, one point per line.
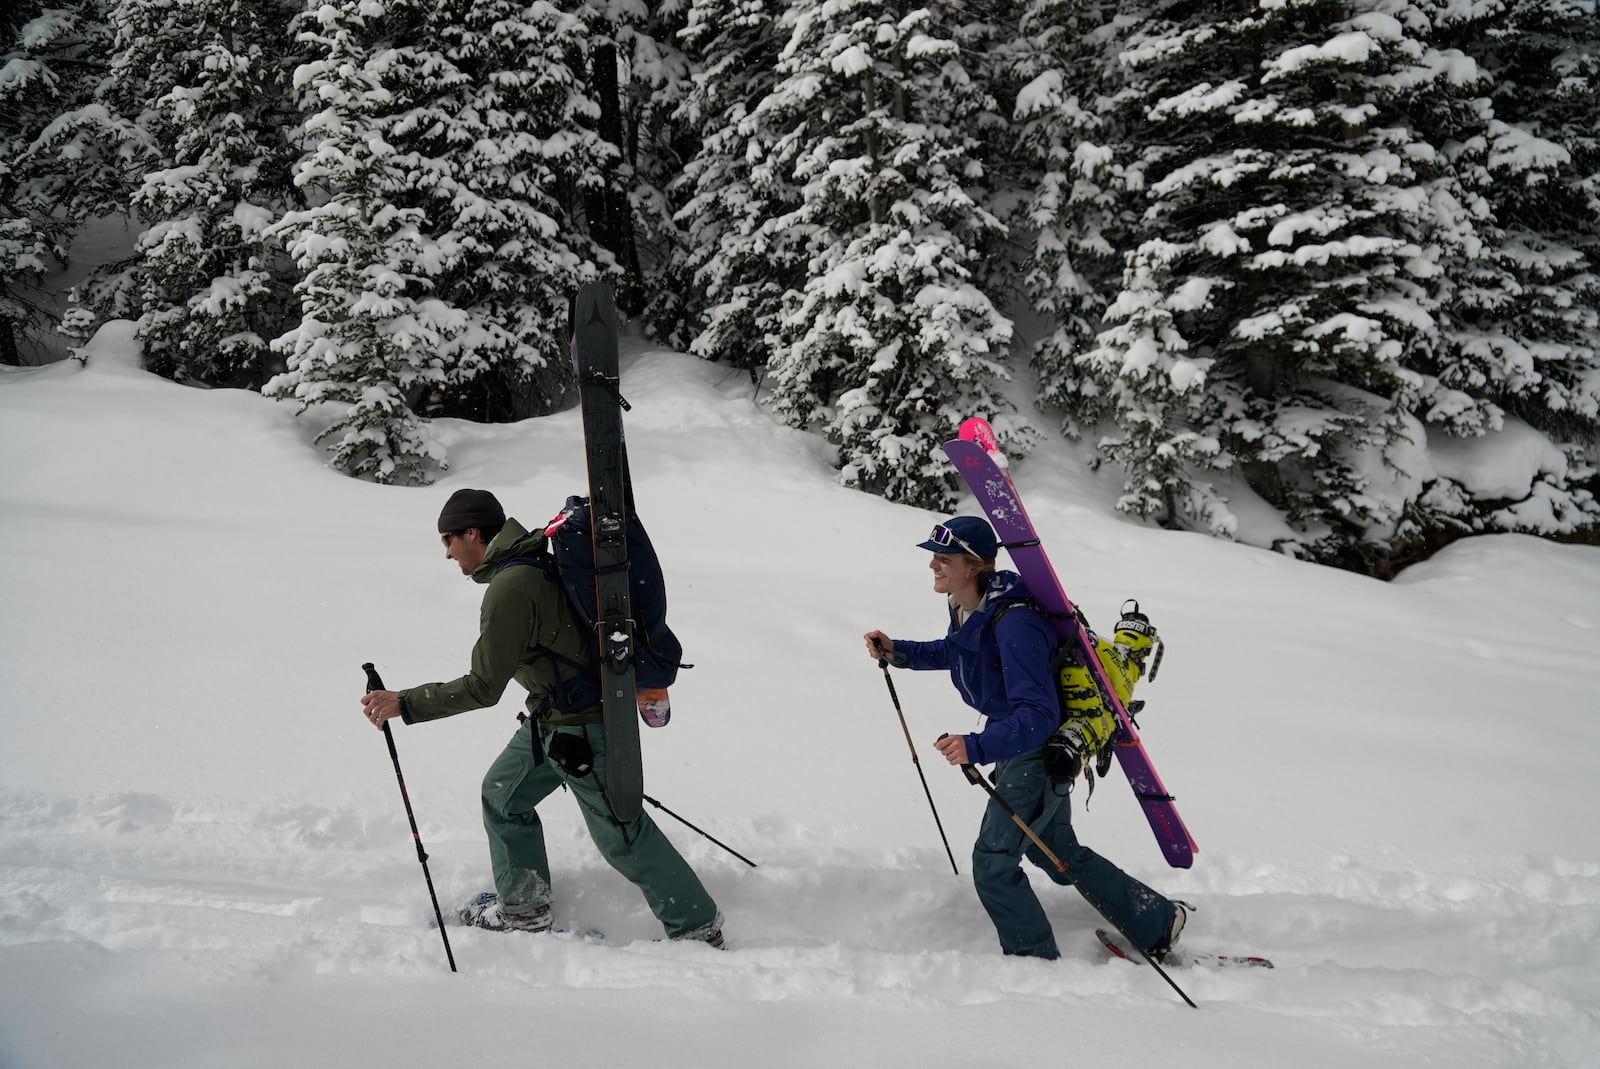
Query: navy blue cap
x=963, y=534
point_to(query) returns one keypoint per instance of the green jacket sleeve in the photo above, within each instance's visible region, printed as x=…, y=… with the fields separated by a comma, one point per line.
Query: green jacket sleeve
x=506, y=625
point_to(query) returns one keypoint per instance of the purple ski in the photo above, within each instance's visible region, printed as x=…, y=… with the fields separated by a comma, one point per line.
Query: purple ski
x=977, y=457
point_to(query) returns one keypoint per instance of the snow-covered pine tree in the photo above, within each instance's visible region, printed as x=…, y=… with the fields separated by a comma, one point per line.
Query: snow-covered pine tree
x=655, y=77
x=77, y=326
x=739, y=259
x=371, y=333
x=63, y=155
x=888, y=344
x=636, y=75
x=208, y=80
x=1072, y=220
x=1522, y=322
x=29, y=99
x=1283, y=283
x=500, y=145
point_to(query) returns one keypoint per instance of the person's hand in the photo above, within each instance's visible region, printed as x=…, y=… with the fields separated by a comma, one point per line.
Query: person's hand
x=380, y=705
x=954, y=748
x=879, y=645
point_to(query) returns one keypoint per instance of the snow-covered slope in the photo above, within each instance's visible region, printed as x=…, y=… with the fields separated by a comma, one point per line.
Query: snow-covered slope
x=204, y=860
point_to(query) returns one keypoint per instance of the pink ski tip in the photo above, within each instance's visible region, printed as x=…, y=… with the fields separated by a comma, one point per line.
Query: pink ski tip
x=978, y=431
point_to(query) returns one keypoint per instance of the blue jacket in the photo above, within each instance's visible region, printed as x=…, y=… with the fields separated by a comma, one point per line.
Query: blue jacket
x=1001, y=668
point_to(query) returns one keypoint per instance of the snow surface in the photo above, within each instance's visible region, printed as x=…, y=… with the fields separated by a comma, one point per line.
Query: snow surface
x=204, y=861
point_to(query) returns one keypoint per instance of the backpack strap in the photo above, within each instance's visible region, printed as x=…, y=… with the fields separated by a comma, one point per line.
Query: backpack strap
x=543, y=562
x=538, y=560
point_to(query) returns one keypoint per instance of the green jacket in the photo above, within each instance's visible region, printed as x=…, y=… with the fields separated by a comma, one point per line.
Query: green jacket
x=523, y=610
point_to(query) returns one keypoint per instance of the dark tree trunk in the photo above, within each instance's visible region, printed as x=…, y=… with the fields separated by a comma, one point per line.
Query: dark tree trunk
x=9, y=353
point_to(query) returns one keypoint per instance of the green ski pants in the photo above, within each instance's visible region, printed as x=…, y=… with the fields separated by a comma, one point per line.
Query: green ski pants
x=515, y=784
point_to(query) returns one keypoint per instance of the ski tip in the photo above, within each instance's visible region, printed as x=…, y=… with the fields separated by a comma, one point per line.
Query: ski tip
x=978, y=431
x=1250, y=959
x=1109, y=941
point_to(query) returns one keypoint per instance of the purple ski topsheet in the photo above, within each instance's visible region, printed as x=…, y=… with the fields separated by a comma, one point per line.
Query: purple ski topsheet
x=995, y=491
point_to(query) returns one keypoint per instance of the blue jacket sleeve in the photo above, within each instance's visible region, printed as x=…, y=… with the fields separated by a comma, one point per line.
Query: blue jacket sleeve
x=1026, y=647
x=920, y=656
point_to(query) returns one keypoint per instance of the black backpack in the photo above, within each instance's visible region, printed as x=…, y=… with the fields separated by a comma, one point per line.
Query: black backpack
x=657, y=653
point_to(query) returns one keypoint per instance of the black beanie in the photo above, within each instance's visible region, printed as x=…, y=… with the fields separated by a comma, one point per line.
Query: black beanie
x=471, y=508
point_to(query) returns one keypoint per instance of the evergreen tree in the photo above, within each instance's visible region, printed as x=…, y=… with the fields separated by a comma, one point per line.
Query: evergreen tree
x=656, y=76
x=27, y=94
x=1286, y=173
x=1527, y=328
x=499, y=143
x=63, y=155
x=738, y=257
x=456, y=146
x=1072, y=218
x=636, y=75
x=888, y=344
x=371, y=331
x=208, y=81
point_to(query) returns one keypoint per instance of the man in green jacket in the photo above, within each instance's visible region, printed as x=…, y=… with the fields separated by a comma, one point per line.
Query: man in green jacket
x=528, y=632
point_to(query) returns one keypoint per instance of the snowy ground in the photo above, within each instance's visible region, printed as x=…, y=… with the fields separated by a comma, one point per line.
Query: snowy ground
x=204, y=860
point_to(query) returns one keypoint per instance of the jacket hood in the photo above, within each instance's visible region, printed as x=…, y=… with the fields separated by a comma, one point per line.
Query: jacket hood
x=514, y=540
x=1006, y=588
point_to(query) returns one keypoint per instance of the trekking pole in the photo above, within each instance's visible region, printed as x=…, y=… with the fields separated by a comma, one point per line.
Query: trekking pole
x=707, y=834
x=374, y=683
x=883, y=663
x=977, y=777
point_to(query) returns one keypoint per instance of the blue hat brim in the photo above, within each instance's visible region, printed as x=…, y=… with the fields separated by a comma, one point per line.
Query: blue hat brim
x=933, y=547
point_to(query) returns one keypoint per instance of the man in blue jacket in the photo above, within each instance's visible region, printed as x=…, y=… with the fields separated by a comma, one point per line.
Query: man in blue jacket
x=998, y=653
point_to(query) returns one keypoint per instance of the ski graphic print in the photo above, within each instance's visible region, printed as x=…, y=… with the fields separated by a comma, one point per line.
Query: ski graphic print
x=594, y=349
x=977, y=457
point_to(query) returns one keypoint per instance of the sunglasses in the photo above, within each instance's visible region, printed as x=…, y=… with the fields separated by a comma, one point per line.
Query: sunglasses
x=945, y=537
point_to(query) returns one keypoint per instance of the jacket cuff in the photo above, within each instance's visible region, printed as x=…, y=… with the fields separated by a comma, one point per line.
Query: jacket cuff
x=975, y=754
x=405, y=711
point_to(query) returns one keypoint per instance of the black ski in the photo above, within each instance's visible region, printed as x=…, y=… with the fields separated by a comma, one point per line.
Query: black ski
x=594, y=348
